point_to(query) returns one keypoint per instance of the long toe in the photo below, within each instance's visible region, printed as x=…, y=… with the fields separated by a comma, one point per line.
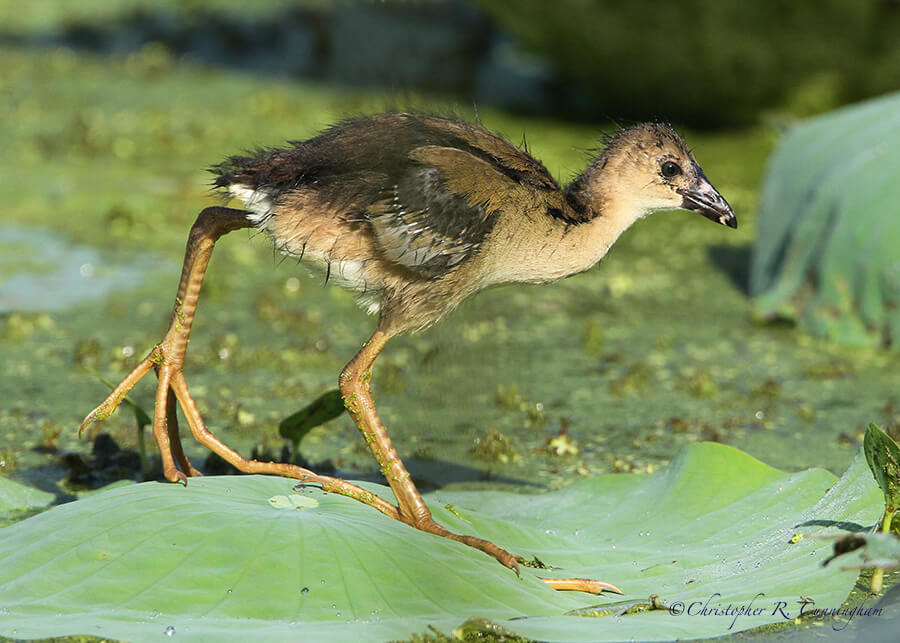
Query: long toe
x=503, y=557
x=581, y=585
x=114, y=399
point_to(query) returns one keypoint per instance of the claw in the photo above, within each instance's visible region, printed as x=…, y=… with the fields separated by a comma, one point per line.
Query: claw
x=581, y=585
x=174, y=475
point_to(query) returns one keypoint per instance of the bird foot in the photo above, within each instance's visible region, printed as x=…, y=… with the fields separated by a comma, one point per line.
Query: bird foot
x=172, y=389
x=165, y=423
x=512, y=561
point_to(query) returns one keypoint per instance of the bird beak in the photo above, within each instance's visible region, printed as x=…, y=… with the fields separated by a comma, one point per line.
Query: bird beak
x=702, y=197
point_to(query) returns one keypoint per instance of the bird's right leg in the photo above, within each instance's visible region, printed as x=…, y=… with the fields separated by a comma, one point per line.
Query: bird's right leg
x=411, y=508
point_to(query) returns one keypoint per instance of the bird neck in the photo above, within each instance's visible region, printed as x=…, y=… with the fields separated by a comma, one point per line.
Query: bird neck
x=599, y=209
x=602, y=204
x=582, y=198
x=602, y=209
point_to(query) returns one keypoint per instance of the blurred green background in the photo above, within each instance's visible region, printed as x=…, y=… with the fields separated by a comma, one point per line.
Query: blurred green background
x=111, y=110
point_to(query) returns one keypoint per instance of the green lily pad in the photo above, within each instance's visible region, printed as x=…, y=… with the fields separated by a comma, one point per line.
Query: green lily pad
x=17, y=497
x=293, y=501
x=217, y=561
x=826, y=250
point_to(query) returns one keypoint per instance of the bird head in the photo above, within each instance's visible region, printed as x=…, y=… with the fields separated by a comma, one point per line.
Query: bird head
x=648, y=167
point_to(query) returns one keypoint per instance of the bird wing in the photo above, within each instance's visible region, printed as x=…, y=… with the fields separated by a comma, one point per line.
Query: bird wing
x=440, y=209
x=513, y=162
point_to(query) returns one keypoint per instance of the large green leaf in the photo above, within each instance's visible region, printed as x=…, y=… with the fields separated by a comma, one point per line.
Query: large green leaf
x=230, y=558
x=16, y=497
x=826, y=249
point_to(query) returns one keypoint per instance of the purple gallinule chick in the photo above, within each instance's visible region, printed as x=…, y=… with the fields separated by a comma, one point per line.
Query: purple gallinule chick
x=415, y=213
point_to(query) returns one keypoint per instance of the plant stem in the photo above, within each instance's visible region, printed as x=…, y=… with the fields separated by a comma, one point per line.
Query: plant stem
x=877, y=583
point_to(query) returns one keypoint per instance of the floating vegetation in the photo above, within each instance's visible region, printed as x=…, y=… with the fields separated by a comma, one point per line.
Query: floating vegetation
x=700, y=384
x=562, y=445
x=495, y=447
x=635, y=379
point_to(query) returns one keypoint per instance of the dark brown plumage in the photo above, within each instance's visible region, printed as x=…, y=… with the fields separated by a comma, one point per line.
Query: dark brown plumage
x=415, y=213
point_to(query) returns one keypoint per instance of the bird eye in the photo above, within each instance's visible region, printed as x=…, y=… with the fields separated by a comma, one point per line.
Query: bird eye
x=670, y=169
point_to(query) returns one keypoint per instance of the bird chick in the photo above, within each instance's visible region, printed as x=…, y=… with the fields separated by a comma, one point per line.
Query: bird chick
x=415, y=213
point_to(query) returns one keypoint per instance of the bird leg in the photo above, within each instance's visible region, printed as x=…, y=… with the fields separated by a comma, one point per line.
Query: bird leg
x=167, y=358
x=354, y=384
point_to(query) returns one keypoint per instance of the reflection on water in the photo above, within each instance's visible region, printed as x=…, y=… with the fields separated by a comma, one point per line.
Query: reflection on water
x=40, y=270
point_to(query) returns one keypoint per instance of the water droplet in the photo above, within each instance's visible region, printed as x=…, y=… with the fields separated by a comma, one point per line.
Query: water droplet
x=228, y=591
x=334, y=606
x=170, y=631
x=322, y=581
x=305, y=590
x=338, y=613
x=550, y=532
x=759, y=415
x=154, y=614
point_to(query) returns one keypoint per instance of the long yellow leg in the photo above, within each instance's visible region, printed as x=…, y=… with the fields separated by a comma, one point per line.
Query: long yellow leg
x=354, y=383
